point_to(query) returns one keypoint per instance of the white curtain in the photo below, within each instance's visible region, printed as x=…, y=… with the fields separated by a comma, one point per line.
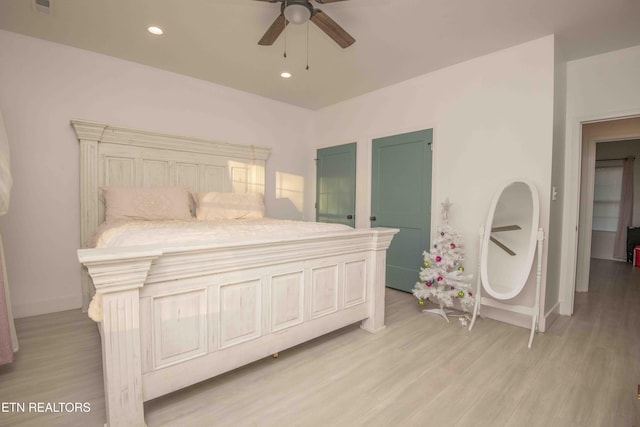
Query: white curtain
x=8, y=339
x=626, y=210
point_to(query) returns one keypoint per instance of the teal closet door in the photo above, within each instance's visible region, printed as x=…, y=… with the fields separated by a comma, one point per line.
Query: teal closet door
x=336, y=184
x=401, y=198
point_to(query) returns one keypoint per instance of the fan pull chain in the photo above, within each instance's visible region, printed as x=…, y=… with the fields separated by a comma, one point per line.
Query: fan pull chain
x=307, y=45
x=286, y=3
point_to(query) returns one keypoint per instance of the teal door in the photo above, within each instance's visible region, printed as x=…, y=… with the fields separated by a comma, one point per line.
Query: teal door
x=401, y=198
x=336, y=184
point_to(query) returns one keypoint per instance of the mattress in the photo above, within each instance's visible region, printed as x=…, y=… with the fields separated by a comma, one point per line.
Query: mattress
x=135, y=233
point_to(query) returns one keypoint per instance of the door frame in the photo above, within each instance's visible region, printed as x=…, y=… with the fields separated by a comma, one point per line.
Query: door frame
x=585, y=216
x=575, y=178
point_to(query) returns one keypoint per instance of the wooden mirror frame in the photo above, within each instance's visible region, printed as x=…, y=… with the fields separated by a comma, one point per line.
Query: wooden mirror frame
x=530, y=244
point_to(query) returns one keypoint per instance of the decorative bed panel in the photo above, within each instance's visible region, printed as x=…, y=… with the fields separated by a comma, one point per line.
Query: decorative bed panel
x=174, y=314
x=116, y=156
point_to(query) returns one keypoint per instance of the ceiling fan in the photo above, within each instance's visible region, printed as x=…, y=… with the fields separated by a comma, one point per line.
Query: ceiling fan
x=299, y=12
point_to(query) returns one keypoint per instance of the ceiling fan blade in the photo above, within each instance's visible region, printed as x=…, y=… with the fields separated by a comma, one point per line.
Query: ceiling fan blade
x=506, y=228
x=502, y=246
x=324, y=1
x=274, y=31
x=332, y=29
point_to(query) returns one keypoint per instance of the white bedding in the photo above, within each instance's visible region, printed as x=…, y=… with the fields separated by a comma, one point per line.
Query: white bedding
x=122, y=234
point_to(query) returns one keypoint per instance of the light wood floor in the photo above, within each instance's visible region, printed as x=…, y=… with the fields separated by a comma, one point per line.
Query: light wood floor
x=419, y=371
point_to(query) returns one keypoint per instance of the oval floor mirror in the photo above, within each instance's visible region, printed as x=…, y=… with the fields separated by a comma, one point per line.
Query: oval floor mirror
x=508, y=243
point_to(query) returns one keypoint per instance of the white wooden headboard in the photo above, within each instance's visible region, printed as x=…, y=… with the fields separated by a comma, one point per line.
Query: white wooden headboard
x=117, y=156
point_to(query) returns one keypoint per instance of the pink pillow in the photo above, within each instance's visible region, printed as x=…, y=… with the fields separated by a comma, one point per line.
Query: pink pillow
x=146, y=203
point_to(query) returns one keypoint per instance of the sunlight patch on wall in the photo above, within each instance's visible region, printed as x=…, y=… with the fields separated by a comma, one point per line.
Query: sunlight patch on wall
x=290, y=187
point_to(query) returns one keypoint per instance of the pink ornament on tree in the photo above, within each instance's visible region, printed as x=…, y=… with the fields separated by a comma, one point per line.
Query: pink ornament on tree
x=438, y=258
x=453, y=246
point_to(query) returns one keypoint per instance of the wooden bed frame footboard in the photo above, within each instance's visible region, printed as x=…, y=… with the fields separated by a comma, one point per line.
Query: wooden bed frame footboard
x=174, y=316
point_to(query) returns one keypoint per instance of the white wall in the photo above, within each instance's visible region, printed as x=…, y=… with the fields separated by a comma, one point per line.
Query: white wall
x=492, y=119
x=602, y=244
x=43, y=85
x=554, y=232
x=600, y=87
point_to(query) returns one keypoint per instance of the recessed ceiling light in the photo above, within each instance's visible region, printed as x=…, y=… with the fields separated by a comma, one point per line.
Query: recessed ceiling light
x=285, y=75
x=155, y=30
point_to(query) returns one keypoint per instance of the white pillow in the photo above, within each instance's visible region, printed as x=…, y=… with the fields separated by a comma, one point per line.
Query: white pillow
x=146, y=203
x=212, y=206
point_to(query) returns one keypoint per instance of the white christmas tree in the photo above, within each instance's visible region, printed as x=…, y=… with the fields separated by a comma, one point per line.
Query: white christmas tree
x=442, y=278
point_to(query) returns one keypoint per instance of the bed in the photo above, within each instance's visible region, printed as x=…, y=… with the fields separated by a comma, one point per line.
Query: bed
x=174, y=313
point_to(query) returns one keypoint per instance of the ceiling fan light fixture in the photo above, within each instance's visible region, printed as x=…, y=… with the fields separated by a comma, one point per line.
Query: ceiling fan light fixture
x=285, y=75
x=297, y=11
x=302, y=12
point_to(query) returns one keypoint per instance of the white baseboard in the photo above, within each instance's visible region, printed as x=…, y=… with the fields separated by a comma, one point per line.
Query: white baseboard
x=46, y=306
x=551, y=316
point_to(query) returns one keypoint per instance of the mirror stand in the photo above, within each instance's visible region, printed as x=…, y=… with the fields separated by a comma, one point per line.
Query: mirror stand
x=532, y=311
